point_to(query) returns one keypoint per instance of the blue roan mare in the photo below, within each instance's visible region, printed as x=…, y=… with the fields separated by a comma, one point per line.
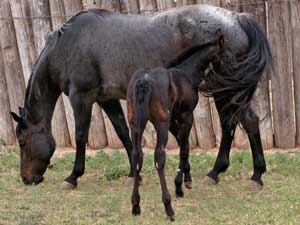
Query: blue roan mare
x=93, y=56
x=167, y=96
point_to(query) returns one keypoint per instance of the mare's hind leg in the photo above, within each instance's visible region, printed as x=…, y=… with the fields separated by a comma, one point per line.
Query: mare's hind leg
x=250, y=123
x=180, y=128
x=115, y=113
x=228, y=130
x=82, y=108
x=160, y=158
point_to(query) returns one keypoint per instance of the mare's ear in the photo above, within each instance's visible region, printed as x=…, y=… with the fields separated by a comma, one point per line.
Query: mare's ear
x=221, y=41
x=187, y=26
x=19, y=120
x=16, y=118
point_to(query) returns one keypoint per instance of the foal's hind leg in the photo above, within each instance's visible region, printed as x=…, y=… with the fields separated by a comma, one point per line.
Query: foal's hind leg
x=82, y=108
x=115, y=113
x=228, y=130
x=181, y=127
x=250, y=123
x=137, y=164
x=160, y=158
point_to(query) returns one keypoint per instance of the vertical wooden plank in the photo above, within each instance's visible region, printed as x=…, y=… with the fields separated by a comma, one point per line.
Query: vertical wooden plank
x=165, y=4
x=7, y=133
x=295, y=21
x=203, y=124
x=97, y=134
x=72, y=7
x=147, y=6
x=209, y=2
x=24, y=34
x=41, y=23
x=279, y=25
x=185, y=2
x=216, y=122
x=12, y=65
x=261, y=100
x=130, y=6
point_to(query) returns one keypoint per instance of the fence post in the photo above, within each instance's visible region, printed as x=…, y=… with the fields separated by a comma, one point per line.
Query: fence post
x=24, y=35
x=282, y=91
x=295, y=19
x=12, y=65
x=7, y=133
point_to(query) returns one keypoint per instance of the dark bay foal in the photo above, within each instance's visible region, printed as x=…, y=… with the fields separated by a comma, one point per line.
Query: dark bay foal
x=167, y=97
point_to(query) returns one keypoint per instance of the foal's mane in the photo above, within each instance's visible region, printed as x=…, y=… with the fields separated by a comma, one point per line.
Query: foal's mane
x=184, y=55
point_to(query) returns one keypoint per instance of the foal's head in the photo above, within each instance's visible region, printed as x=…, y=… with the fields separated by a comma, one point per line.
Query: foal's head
x=36, y=148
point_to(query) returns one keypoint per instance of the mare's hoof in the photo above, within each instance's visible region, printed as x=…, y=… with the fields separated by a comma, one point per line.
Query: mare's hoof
x=129, y=182
x=188, y=184
x=67, y=186
x=136, y=210
x=208, y=181
x=171, y=218
x=179, y=193
x=254, y=186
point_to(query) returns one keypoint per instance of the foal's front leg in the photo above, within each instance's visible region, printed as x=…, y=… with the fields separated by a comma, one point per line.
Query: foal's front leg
x=181, y=127
x=82, y=109
x=160, y=158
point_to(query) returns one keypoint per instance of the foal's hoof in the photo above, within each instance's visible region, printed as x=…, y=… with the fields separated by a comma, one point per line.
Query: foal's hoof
x=188, y=184
x=254, y=186
x=67, y=186
x=208, y=181
x=179, y=193
x=136, y=210
x=171, y=218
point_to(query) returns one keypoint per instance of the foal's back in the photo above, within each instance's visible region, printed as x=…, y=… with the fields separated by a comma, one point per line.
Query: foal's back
x=158, y=85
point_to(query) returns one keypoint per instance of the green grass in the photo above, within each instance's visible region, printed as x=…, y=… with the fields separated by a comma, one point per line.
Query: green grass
x=102, y=197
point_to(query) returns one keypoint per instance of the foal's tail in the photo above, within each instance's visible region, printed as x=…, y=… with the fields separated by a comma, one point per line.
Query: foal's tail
x=240, y=80
x=141, y=104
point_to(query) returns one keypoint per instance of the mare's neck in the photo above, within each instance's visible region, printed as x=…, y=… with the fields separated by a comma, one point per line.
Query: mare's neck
x=41, y=96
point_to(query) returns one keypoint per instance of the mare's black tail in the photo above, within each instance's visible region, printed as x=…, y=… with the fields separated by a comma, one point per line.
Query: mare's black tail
x=240, y=80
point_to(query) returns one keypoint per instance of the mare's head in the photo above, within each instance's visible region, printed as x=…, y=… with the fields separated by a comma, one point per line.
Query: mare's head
x=36, y=148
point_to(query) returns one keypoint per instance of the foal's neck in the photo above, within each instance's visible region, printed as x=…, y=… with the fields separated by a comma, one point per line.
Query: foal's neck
x=194, y=66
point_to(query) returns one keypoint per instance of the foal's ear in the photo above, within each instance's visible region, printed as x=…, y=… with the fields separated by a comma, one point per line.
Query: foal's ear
x=16, y=118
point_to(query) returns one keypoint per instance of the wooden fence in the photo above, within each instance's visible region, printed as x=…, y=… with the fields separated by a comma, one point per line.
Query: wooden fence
x=24, y=24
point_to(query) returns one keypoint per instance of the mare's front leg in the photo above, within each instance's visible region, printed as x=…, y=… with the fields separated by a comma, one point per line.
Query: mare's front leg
x=82, y=109
x=250, y=122
x=115, y=113
x=228, y=129
x=159, y=159
x=180, y=128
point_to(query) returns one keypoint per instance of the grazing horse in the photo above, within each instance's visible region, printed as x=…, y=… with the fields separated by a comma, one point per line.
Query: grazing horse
x=161, y=96
x=92, y=57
